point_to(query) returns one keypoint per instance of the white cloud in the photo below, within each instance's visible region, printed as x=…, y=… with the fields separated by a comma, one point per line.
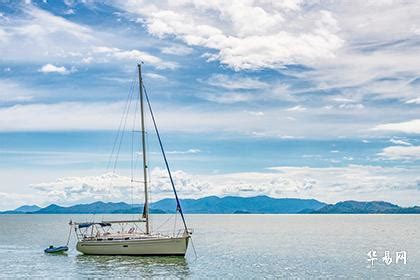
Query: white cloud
x=74, y=189
x=235, y=82
x=66, y=116
x=13, y=92
x=134, y=56
x=43, y=37
x=399, y=142
x=9, y=201
x=401, y=153
x=70, y=12
x=51, y=68
x=69, y=3
x=365, y=47
x=177, y=50
x=228, y=97
x=412, y=126
x=189, y=151
x=237, y=41
x=196, y=119
x=351, y=106
x=343, y=99
x=155, y=76
x=331, y=184
x=297, y=108
x=413, y=101
x=253, y=113
x=115, y=187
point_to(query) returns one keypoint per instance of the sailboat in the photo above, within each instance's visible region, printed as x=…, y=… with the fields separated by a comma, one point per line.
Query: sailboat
x=134, y=236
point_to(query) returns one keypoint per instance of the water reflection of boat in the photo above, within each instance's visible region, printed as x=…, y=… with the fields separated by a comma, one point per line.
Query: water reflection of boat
x=133, y=267
x=130, y=237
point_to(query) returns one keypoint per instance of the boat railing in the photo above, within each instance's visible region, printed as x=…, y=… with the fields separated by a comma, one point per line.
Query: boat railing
x=103, y=236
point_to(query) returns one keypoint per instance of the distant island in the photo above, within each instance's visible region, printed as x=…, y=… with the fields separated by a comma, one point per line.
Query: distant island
x=226, y=205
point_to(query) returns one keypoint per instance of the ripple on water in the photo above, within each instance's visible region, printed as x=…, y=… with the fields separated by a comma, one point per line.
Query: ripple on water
x=228, y=246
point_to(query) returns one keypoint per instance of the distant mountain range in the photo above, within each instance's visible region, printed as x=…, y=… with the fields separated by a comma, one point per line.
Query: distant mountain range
x=23, y=209
x=234, y=204
x=371, y=207
x=225, y=205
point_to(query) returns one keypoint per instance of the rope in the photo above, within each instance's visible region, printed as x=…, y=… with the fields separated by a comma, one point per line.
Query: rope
x=149, y=181
x=120, y=124
x=175, y=223
x=132, y=153
x=122, y=133
x=195, y=252
x=165, y=222
x=119, y=135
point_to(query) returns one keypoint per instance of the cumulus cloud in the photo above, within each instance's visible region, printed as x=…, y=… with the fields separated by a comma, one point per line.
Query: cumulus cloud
x=401, y=153
x=365, y=47
x=224, y=27
x=72, y=189
x=368, y=63
x=115, y=187
x=329, y=184
x=410, y=127
x=51, y=68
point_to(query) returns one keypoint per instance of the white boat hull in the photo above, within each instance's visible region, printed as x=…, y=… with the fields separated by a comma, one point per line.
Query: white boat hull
x=135, y=247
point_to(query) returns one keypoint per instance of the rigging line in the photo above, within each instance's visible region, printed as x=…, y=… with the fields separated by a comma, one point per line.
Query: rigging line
x=175, y=223
x=132, y=152
x=132, y=155
x=125, y=116
x=68, y=238
x=122, y=133
x=165, y=222
x=178, y=204
x=119, y=131
x=131, y=181
x=132, y=139
x=195, y=252
x=149, y=177
x=119, y=126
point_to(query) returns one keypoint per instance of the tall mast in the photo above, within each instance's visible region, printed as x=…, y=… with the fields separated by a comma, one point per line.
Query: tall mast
x=143, y=141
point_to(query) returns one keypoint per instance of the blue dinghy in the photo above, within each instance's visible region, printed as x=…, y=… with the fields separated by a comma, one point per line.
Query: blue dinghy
x=59, y=249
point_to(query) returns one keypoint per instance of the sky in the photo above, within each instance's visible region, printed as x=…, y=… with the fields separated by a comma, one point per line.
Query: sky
x=306, y=99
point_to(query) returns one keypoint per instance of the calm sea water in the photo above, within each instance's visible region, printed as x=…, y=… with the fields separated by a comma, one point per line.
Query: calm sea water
x=228, y=246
